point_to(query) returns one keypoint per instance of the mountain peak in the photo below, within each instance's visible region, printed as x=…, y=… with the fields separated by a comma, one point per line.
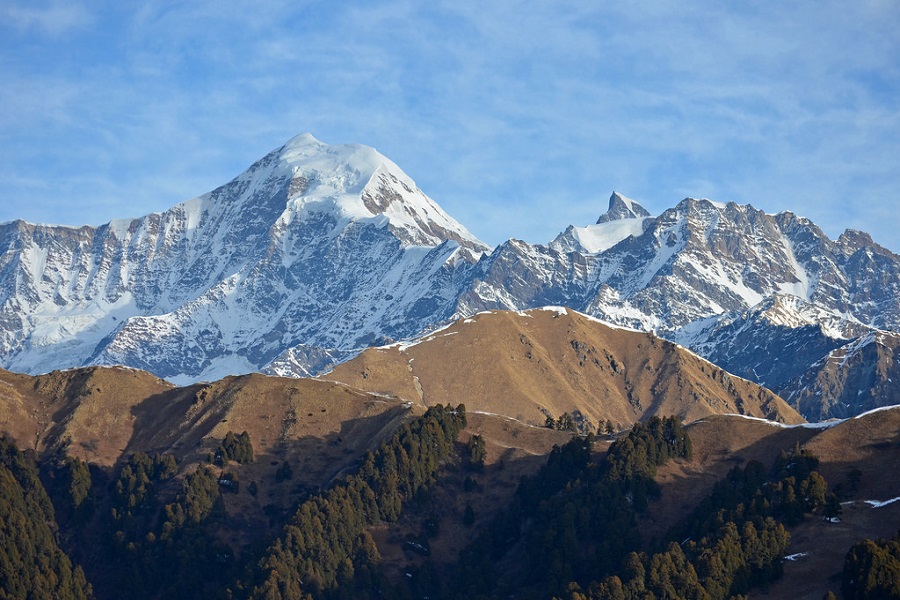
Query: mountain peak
x=303, y=139
x=344, y=167
x=621, y=207
x=357, y=182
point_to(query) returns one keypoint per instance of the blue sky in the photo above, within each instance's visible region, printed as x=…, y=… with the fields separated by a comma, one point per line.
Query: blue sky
x=518, y=118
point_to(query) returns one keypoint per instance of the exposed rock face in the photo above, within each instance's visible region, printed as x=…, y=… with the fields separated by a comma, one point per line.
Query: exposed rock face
x=621, y=207
x=861, y=375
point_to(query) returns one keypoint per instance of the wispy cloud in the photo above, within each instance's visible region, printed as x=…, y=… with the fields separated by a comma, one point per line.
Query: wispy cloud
x=51, y=18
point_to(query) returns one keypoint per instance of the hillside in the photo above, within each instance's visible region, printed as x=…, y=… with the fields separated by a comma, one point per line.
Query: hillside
x=863, y=374
x=869, y=443
x=103, y=414
x=543, y=363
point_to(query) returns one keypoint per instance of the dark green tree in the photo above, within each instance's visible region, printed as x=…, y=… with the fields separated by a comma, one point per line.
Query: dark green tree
x=476, y=452
x=235, y=447
x=872, y=570
x=32, y=565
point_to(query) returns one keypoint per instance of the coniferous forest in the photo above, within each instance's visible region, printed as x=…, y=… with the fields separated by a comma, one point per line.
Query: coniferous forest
x=72, y=530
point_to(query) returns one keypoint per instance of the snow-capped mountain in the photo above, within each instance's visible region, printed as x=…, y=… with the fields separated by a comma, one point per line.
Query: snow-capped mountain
x=322, y=247
x=695, y=261
x=318, y=251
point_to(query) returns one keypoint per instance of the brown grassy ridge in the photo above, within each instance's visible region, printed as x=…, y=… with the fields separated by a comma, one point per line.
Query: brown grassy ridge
x=527, y=365
x=511, y=370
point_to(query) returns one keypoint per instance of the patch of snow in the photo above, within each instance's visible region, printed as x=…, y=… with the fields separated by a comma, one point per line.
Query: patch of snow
x=820, y=425
x=802, y=287
x=664, y=254
x=507, y=417
x=603, y=236
x=712, y=272
x=793, y=557
x=612, y=325
x=628, y=202
x=405, y=345
x=875, y=410
x=880, y=503
x=222, y=367
x=119, y=228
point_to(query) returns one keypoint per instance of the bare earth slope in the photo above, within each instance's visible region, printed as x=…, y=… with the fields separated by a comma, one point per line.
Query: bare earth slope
x=91, y=411
x=545, y=362
x=103, y=413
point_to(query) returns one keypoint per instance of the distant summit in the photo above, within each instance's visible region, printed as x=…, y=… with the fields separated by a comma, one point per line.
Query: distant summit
x=621, y=207
x=357, y=182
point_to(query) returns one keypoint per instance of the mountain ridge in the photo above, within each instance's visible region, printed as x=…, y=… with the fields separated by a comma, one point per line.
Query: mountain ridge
x=542, y=363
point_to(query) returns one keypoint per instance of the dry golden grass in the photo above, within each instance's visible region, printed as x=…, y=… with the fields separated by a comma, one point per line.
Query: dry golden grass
x=529, y=365
x=870, y=443
x=102, y=414
x=516, y=366
x=720, y=442
x=90, y=411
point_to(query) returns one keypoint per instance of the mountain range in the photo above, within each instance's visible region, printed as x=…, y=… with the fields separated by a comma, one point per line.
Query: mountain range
x=319, y=251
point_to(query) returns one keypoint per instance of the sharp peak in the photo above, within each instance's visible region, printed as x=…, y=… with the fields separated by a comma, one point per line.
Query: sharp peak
x=363, y=183
x=352, y=166
x=622, y=207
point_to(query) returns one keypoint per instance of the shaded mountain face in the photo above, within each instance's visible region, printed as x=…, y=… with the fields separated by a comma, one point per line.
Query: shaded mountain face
x=863, y=374
x=544, y=363
x=319, y=251
x=103, y=414
x=865, y=445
